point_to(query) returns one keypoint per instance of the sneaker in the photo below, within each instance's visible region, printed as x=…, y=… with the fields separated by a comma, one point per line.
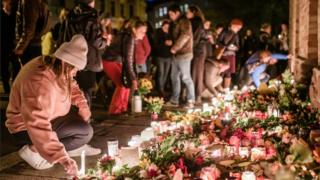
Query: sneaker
x=89, y=150
x=189, y=105
x=171, y=104
x=34, y=159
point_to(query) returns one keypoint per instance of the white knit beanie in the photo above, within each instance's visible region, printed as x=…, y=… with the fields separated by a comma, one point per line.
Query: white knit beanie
x=74, y=52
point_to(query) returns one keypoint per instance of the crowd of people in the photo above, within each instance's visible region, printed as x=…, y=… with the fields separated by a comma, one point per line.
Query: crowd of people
x=54, y=69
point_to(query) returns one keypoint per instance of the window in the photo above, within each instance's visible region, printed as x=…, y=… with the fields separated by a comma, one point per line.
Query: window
x=186, y=6
x=165, y=10
x=160, y=12
x=113, y=8
x=122, y=10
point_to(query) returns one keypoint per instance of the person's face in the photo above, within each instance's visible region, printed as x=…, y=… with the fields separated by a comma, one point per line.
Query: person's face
x=249, y=32
x=92, y=4
x=219, y=30
x=174, y=15
x=236, y=28
x=73, y=72
x=273, y=61
x=165, y=28
x=269, y=29
x=284, y=27
x=207, y=25
x=189, y=14
x=140, y=32
x=7, y=5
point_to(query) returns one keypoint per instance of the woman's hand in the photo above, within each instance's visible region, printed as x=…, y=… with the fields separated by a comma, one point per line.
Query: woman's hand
x=135, y=85
x=70, y=166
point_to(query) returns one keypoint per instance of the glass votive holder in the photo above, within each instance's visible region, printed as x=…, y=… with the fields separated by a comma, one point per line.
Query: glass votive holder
x=113, y=147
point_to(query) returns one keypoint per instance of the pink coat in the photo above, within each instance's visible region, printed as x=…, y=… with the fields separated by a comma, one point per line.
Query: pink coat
x=35, y=100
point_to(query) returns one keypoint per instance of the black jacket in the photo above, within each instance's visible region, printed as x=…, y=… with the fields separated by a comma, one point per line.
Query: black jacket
x=230, y=40
x=265, y=41
x=122, y=50
x=83, y=19
x=160, y=48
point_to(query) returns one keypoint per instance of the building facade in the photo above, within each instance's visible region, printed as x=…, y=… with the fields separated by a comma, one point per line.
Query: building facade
x=305, y=44
x=119, y=9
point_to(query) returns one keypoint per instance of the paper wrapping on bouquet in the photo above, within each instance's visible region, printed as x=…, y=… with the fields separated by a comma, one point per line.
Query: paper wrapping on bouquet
x=129, y=156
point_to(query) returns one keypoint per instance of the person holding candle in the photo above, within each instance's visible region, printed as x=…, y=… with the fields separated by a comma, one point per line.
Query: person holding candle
x=40, y=114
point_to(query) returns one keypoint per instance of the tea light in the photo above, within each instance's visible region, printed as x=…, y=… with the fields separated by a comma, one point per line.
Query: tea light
x=258, y=153
x=276, y=113
x=244, y=152
x=113, y=147
x=248, y=175
x=147, y=134
x=129, y=156
x=227, y=117
x=235, y=88
x=230, y=150
x=217, y=153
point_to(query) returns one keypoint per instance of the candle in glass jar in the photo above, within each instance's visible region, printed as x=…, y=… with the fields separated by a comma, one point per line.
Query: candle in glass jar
x=248, y=175
x=244, y=152
x=113, y=147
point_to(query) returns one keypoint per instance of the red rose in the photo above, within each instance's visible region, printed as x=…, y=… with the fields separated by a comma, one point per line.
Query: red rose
x=199, y=160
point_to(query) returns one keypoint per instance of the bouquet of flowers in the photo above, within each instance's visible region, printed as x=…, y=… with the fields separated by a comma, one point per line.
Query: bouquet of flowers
x=145, y=86
x=154, y=104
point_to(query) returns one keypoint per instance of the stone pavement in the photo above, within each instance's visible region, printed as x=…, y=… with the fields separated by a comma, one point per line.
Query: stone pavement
x=105, y=127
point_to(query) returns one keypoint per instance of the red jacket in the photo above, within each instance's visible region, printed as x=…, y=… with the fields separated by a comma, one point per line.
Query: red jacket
x=142, y=50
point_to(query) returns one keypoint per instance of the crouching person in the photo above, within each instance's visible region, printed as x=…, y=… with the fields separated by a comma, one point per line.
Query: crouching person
x=255, y=67
x=212, y=76
x=39, y=114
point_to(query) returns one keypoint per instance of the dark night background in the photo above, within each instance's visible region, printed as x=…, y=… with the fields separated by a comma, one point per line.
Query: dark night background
x=252, y=12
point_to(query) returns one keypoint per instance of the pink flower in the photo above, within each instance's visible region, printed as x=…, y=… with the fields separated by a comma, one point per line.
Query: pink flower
x=153, y=171
x=235, y=141
x=260, y=115
x=271, y=152
x=210, y=173
x=245, y=142
x=199, y=160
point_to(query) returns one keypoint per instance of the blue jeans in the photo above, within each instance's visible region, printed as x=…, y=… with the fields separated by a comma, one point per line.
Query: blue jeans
x=164, y=67
x=180, y=70
x=141, y=68
x=256, y=74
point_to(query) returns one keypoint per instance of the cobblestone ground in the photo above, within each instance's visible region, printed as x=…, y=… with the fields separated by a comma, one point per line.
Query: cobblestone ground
x=105, y=127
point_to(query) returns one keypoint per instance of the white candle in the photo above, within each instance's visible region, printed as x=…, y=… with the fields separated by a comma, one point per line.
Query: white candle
x=83, y=164
x=248, y=175
x=113, y=147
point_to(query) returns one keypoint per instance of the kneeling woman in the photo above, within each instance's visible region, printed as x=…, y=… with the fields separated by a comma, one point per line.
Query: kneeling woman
x=39, y=114
x=119, y=61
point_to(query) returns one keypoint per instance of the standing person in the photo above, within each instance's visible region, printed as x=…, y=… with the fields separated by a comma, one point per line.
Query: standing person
x=217, y=31
x=83, y=19
x=7, y=43
x=229, y=40
x=182, y=50
x=248, y=46
x=196, y=17
x=39, y=113
x=283, y=38
x=209, y=38
x=118, y=61
x=31, y=23
x=142, y=51
x=265, y=38
x=163, y=43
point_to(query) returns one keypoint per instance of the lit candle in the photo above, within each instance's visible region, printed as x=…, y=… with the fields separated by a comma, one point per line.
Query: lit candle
x=216, y=153
x=248, y=175
x=244, y=152
x=83, y=164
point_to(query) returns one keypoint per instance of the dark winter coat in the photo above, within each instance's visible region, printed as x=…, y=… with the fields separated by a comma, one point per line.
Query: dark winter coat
x=230, y=40
x=182, y=36
x=32, y=21
x=199, y=34
x=122, y=49
x=160, y=48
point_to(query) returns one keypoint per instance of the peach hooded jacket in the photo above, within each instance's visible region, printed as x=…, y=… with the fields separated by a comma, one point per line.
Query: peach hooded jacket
x=35, y=100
